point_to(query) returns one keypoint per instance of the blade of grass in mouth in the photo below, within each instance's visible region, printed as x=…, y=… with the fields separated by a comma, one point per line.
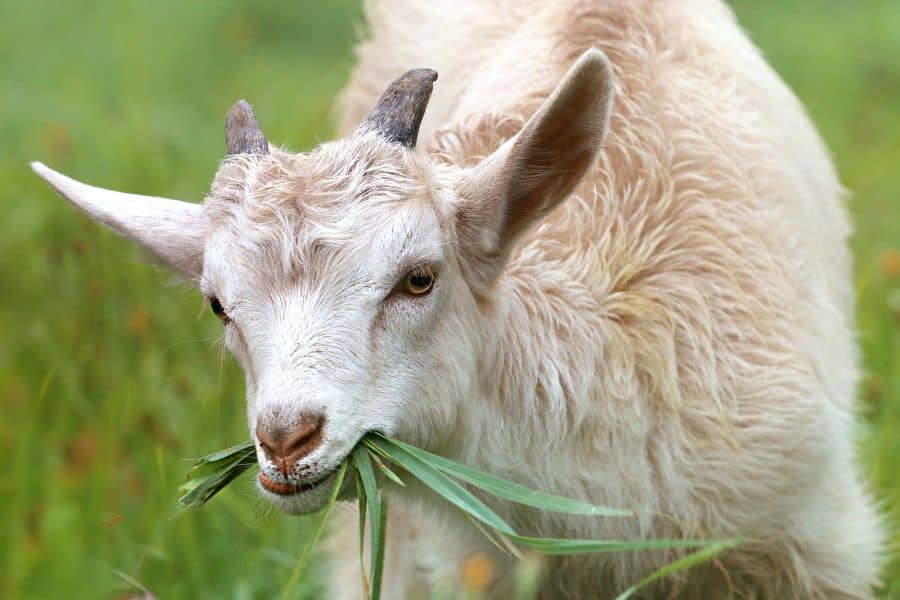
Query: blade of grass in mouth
x=377, y=513
x=443, y=476
x=500, y=487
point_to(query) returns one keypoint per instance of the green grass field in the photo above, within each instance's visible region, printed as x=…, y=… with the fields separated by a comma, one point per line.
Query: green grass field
x=111, y=375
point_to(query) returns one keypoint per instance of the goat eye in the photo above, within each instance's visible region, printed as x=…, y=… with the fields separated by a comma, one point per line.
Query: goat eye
x=218, y=310
x=419, y=281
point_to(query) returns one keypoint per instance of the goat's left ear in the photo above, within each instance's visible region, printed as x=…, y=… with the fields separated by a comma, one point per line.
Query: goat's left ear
x=537, y=169
x=172, y=230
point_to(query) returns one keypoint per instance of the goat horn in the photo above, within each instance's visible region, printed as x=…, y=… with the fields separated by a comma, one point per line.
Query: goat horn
x=399, y=112
x=242, y=132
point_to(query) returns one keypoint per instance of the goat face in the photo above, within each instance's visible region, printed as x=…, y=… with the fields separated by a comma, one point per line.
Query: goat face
x=342, y=300
x=357, y=284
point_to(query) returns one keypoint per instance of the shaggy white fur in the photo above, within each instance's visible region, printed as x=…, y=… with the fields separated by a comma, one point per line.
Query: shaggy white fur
x=678, y=335
x=668, y=327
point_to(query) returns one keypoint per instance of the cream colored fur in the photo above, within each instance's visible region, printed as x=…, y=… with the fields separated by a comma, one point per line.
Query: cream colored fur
x=678, y=336
x=675, y=336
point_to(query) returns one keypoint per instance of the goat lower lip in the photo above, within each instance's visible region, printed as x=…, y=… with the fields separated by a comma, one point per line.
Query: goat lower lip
x=284, y=489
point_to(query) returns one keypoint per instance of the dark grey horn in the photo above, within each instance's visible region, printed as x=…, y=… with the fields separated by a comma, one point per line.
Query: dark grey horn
x=242, y=132
x=399, y=113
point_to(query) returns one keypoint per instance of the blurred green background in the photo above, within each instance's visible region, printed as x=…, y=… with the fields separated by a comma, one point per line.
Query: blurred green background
x=110, y=374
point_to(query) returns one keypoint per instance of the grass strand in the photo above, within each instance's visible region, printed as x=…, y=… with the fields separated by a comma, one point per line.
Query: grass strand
x=444, y=477
x=684, y=563
x=509, y=490
x=300, y=565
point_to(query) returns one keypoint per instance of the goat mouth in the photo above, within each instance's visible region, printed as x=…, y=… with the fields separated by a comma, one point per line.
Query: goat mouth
x=280, y=488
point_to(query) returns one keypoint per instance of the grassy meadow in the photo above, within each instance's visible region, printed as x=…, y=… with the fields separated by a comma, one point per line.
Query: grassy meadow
x=112, y=374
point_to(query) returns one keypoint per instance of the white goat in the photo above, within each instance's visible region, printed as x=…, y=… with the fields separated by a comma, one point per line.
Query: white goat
x=669, y=327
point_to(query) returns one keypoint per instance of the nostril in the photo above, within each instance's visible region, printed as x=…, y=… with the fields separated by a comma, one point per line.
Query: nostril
x=304, y=435
x=287, y=445
x=305, y=438
x=266, y=441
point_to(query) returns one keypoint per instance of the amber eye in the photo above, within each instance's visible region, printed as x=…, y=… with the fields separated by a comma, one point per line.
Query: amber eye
x=217, y=309
x=419, y=281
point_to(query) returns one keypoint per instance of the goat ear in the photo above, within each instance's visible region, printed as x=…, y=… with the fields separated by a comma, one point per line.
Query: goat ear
x=533, y=172
x=172, y=230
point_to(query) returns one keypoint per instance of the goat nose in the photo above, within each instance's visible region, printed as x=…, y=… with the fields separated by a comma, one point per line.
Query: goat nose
x=287, y=445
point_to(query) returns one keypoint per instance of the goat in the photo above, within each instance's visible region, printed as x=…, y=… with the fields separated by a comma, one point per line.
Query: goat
x=666, y=324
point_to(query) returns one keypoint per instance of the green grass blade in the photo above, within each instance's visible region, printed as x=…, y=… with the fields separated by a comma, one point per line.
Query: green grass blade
x=209, y=481
x=691, y=560
x=376, y=517
x=361, y=499
x=509, y=490
x=443, y=476
x=211, y=473
x=238, y=450
x=553, y=546
x=307, y=551
x=386, y=470
x=439, y=483
x=204, y=470
x=502, y=543
x=378, y=551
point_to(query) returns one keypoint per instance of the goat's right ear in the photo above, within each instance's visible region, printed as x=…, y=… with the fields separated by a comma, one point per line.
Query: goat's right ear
x=538, y=168
x=172, y=230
